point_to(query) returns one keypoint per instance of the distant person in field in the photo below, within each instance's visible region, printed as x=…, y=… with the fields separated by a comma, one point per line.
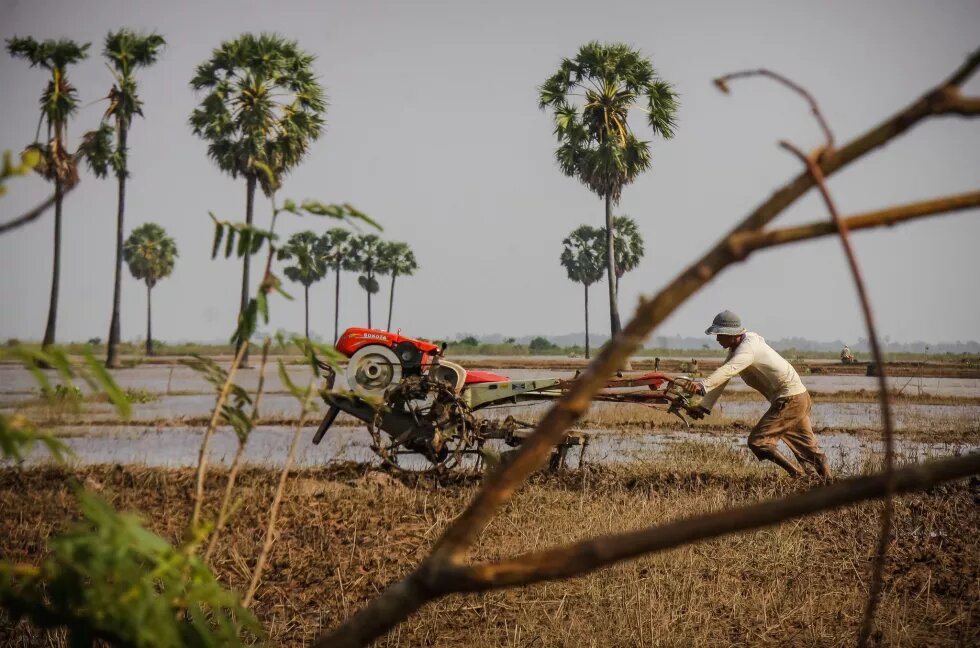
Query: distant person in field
x=788, y=418
x=846, y=356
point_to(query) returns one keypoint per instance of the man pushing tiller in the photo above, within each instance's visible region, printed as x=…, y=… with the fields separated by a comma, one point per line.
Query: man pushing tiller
x=788, y=418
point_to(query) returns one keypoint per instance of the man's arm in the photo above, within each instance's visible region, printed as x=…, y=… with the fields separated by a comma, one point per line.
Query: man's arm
x=713, y=386
x=711, y=396
x=743, y=358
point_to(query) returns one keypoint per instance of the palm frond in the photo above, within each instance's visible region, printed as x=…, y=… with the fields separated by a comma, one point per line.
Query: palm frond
x=591, y=96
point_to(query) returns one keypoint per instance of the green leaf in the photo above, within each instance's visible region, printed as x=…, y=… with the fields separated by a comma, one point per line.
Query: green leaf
x=31, y=359
x=230, y=243
x=287, y=381
x=246, y=323
x=106, y=382
x=244, y=243
x=361, y=216
x=290, y=206
x=18, y=436
x=263, y=304
x=266, y=171
x=219, y=232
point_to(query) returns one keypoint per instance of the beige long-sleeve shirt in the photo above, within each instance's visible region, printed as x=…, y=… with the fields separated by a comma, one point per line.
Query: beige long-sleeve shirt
x=760, y=367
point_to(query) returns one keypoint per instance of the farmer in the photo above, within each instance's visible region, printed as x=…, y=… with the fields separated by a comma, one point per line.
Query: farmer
x=846, y=357
x=788, y=418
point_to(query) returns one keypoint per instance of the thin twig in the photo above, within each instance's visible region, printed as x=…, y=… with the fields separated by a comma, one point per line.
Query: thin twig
x=877, y=572
x=202, y=458
x=47, y=204
x=36, y=212
x=236, y=463
x=277, y=500
x=722, y=83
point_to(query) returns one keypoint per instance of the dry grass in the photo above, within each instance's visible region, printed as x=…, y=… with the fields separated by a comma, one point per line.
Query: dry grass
x=345, y=532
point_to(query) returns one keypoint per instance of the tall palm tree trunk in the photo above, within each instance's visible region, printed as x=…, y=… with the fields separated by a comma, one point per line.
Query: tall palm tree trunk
x=368, y=291
x=306, y=300
x=149, y=320
x=112, y=352
x=336, y=305
x=391, y=298
x=249, y=211
x=49, y=329
x=614, y=324
x=586, y=321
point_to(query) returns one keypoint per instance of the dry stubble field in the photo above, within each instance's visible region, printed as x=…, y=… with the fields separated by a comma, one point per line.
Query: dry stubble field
x=346, y=531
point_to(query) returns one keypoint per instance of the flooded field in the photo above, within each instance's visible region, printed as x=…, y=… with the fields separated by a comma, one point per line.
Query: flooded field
x=175, y=447
x=359, y=526
x=166, y=430
x=164, y=379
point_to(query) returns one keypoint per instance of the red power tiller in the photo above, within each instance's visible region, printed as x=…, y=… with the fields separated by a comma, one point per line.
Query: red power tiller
x=426, y=405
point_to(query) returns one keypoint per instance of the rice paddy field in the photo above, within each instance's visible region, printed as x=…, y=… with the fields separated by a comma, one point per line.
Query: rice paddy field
x=348, y=528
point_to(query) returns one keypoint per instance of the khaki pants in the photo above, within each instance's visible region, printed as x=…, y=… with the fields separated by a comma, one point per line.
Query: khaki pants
x=787, y=420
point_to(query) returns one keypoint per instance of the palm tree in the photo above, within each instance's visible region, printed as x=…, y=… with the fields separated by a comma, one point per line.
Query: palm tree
x=591, y=96
x=126, y=51
x=582, y=257
x=365, y=256
x=335, y=249
x=59, y=102
x=310, y=266
x=629, y=245
x=150, y=255
x=396, y=259
x=263, y=109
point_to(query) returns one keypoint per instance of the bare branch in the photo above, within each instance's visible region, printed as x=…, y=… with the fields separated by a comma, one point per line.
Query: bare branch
x=955, y=103
x=722, y=83
x=743, y=243
x=941, y=100
x=878, y=569
x=965, y=71
x=588, y=555
x=430, y=582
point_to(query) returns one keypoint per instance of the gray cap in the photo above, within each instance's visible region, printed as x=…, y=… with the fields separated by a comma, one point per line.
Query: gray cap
x=726, y=323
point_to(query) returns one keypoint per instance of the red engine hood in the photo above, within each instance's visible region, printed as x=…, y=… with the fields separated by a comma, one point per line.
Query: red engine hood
x=354, y=338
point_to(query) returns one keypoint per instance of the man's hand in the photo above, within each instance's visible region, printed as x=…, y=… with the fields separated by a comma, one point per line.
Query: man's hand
x=695, y=388
x=698, y=413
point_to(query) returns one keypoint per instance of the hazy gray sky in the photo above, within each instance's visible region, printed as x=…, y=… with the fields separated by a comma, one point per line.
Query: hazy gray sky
x=433, y=129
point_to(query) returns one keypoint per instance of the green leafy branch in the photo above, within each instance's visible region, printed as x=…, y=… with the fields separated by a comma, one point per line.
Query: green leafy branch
x=109, y=578
x=232, y=411
x=18, y=435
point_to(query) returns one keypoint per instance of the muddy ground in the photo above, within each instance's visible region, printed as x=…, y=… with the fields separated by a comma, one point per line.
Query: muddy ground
x=347, y=529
